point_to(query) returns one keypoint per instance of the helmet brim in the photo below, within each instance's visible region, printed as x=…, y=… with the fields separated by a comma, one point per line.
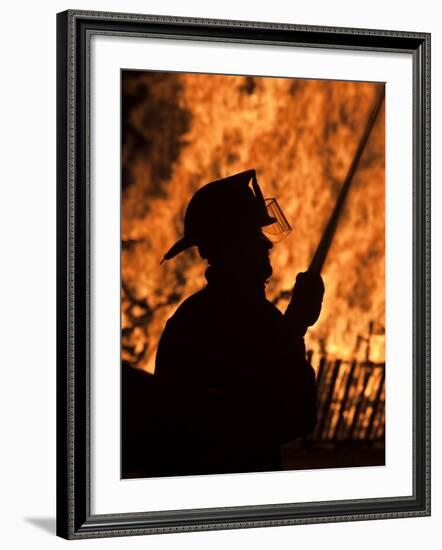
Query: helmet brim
x=178, y=247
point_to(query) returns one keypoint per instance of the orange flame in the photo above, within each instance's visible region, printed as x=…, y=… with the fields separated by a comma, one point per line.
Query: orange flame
x=181, y=131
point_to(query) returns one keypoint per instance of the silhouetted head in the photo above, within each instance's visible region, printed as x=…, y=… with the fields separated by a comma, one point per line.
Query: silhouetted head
x=244, y=259
x=225, y=219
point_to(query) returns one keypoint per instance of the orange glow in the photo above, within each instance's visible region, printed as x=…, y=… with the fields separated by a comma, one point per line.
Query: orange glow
x=301, y=136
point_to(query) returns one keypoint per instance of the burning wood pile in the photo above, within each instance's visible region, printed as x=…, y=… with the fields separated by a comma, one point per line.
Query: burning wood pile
x=351, y=400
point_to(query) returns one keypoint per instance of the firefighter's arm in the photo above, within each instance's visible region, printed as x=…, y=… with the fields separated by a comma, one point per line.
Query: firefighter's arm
x=306, y=302
x=297, y=390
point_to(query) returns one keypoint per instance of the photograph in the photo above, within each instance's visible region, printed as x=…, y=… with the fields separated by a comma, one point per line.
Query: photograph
x=243, y=267
x=222, y=262
x=252, y=274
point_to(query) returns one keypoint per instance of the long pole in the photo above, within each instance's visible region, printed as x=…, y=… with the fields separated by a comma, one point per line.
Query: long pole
x=321, y=252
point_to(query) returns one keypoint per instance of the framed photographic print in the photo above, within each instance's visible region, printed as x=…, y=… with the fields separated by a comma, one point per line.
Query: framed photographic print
x=243, y=274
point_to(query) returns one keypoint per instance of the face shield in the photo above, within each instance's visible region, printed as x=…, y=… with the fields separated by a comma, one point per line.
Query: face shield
x=280, y=228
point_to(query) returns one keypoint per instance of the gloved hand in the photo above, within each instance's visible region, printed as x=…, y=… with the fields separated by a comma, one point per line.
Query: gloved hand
x=306, y=302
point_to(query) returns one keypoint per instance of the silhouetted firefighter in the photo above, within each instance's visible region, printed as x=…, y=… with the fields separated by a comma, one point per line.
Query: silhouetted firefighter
x=232, y=382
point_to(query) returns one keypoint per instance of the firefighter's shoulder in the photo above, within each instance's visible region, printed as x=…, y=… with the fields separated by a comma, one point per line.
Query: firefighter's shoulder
x=190, y=307
x=272, y=311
